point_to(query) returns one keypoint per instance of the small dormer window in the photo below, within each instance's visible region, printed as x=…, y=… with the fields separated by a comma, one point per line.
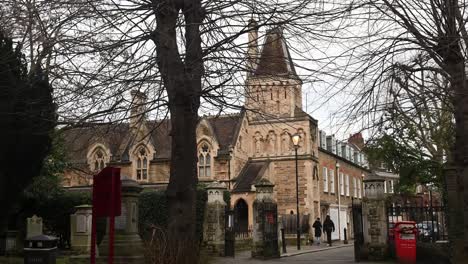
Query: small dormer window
x=204, y=161
x=142, y=164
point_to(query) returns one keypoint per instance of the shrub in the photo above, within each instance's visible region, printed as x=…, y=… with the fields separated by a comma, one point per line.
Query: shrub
x=154, y=211
x=55, y=212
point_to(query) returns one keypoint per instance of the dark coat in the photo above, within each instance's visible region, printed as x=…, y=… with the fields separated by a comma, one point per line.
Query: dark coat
x=317, y=228
x=328, y=225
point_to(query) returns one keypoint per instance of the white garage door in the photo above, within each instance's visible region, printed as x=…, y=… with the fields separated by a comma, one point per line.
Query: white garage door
x=343, y=221
x=334, y=218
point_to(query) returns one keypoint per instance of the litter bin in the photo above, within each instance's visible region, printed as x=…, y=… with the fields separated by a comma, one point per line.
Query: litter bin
x=405, y=233
x=40, y=249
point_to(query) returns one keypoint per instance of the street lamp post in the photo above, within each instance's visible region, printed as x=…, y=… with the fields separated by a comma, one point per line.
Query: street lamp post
x=295, y=139
x=339, y=198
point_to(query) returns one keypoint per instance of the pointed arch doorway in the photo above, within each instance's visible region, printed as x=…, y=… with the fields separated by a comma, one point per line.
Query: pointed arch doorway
x=241, y=218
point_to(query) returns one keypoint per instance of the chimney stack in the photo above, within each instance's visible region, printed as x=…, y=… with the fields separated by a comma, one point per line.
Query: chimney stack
x=252, y=53
x=137, y=108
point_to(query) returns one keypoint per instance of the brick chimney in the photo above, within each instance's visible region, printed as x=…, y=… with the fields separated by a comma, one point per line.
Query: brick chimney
x=357, y=140
x=137, y=109
x=252, y=52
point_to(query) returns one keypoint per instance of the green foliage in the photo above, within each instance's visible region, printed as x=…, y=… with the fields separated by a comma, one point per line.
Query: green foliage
x=154, y=210
x=55, y=211
x=48, y=183
x=409, y=162
x=27, y=115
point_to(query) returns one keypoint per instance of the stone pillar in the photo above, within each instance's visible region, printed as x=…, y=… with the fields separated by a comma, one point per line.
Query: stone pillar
x=80, y=229
x=265, y=222
x=374, y=219
x=213, y=227
x=128, y=246
x=33, y=226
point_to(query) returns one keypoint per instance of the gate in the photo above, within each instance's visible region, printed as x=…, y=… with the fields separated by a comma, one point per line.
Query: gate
x=229, y=234
x=270, y=230
x=358, y=228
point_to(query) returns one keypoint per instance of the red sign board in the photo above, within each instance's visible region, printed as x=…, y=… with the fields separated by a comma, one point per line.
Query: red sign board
x=106, y=203
x=105, y=197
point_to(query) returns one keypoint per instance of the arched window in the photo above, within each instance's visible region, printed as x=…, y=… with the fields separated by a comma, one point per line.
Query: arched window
x=204, y=161
x=98, y=159
x=142, y=164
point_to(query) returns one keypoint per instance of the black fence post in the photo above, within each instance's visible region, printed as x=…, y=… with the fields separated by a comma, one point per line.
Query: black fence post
x=283, y=239
x=345, y=236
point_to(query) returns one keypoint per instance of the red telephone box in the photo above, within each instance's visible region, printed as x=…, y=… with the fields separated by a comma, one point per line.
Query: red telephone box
x=405, y=233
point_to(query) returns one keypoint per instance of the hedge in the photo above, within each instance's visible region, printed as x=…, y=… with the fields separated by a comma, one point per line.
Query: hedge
x=153, y=210
x=55, y=212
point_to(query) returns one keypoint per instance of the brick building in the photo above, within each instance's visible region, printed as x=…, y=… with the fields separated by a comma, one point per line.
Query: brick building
x=237, y=149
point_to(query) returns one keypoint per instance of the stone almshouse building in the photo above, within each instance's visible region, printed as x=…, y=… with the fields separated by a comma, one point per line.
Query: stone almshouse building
x=237, y=149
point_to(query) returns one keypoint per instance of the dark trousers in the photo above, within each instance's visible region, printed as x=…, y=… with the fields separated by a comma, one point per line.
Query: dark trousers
x=329, y=240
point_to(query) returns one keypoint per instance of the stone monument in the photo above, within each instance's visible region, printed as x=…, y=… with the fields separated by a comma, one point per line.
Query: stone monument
x=265, y=219
x=80, y=229
x=128, y=246
x=374, y=218
x=213, y=227
x=33, y=226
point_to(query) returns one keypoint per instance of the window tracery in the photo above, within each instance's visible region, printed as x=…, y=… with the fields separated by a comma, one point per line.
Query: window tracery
x=142, y=165
x=204, y=161
x=98, y=159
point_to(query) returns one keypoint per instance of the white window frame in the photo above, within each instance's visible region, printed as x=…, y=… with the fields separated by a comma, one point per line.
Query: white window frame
x=342, y=192
x=347, y=184
x=359, y=188
x=391, y=186
x=355, y=193
x=325, y=179
x=332, y=181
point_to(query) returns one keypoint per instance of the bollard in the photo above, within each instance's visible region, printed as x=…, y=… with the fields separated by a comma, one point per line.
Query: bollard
x=284, y=240
x=345, y=236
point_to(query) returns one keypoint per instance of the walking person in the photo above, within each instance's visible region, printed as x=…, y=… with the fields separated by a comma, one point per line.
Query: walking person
x=317, y=230
x=329, y=227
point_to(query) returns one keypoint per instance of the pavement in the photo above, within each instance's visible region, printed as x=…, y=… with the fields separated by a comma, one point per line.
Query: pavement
x=338, y=253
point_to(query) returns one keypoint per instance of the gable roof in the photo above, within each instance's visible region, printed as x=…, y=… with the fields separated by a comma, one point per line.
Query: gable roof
x=225, y=129
x=275, y=58
x=118, y=137
x=250, y=174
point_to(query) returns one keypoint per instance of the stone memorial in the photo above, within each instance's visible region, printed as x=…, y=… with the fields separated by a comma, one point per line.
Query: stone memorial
x=213, y=227
x=33, y=226
x=374, y=219
x=128, y=246
x=265, y=219
x=80, y=229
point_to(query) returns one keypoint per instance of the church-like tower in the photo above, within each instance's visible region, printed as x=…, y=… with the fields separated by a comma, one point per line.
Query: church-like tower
x=273, y=89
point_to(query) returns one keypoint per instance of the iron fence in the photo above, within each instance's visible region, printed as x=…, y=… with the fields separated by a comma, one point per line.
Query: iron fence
x=430, y=221
x=289, y=223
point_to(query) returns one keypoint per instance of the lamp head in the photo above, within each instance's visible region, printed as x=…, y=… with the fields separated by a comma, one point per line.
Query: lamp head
x=295, y=139
x=338, y=165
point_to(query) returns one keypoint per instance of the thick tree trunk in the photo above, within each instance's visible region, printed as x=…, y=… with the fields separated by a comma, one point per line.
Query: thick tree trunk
x=182, y=81
x=457, y=176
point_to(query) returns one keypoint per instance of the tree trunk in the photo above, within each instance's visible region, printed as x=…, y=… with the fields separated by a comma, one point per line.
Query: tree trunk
x=458, y=196
x=182, y=81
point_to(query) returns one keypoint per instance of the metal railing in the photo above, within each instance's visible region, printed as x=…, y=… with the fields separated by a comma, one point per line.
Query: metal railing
x=430, y=221
x=289, y=223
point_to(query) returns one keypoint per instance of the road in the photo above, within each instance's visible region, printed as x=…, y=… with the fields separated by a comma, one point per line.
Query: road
x=331, y=256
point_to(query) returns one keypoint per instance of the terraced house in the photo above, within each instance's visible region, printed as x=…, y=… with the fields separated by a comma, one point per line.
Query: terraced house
x=237, y=149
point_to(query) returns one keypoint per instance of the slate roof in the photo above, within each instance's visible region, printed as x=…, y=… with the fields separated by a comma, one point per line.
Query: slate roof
x=275, y=59
x=251, y=173
x=118, y=137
